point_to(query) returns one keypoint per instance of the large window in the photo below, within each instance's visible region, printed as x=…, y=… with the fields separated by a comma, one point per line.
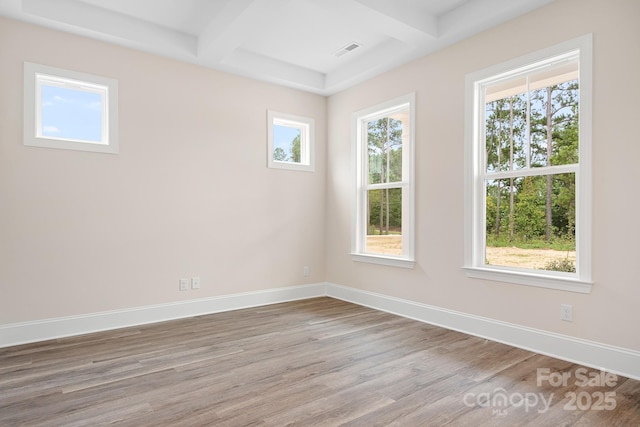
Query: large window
x=383, y=225
x=69, y=110
x=528, y=164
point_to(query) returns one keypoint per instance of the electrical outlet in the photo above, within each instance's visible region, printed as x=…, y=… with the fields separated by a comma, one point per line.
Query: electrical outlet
x=566, y=312
x=195, y=283
x=305, y=271
x=184, y=284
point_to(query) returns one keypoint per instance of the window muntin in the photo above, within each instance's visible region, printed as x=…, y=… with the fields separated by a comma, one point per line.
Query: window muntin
x=529, y=126
x=528, y=149
x=69, y=110
x=383, y=231
x=290, y=141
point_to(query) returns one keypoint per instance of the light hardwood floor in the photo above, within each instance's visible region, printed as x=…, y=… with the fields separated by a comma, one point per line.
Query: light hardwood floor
x=317, y=362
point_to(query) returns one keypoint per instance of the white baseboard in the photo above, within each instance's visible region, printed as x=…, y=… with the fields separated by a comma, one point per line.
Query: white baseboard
x=612, y=359
x=41, y=330
x=605, y=357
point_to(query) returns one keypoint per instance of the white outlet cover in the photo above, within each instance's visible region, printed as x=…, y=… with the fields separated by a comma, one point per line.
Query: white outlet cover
x=566, y=312
x=195, y=283
x=184, y=284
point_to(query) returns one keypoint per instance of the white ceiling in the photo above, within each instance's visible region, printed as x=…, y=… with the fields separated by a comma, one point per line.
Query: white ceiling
x=290, y=42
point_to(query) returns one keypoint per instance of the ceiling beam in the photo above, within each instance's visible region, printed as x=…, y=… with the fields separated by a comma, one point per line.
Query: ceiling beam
x=366, y=65
x=369, y=14
x=474, y=16
x=113, y=25
x=405, y=15
x=243, y=62
x=238, y=21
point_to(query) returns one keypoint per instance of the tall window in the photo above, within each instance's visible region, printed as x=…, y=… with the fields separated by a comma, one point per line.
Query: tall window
x=384, y=221
x=529, y=154
x=69, y=110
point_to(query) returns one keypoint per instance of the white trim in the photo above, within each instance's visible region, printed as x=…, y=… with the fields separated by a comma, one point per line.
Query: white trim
x=537, y=171
x=384, y=260
x=528, y=277
x=474, y=235
x=35, y=74
x=46, y=329
x=306, y=125
x=361, y=186
x=614, y=359
x=618, y=360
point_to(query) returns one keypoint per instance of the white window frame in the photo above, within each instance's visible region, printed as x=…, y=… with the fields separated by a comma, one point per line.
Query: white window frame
x=37, y=75
x=474, y=260
x=361, y=187
x=306, y=126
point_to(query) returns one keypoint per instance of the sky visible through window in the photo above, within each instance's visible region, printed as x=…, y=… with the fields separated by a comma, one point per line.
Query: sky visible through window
x=71, y=114
x=283, y=137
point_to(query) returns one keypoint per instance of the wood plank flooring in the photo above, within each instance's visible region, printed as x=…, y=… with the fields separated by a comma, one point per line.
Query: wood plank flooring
x=317, y=362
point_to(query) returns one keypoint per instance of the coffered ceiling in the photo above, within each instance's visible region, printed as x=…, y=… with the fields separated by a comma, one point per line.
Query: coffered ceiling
x=321, y=46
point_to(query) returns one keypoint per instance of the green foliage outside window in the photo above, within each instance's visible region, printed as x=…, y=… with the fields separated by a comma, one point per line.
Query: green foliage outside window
x=384, y=141
x=529, y=130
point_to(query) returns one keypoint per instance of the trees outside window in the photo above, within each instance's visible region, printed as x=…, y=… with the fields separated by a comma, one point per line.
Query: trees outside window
x=290, y=141
x=534, y=129
x=528, y=151
x=384, y=209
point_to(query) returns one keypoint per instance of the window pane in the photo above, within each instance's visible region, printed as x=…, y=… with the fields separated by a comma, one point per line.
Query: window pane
x=531, y=120
x=384, y=226
x=71, y=114
x=554, y=124
x=384, y=141
x=286, y=143
x=506, y=133
x=530, y=222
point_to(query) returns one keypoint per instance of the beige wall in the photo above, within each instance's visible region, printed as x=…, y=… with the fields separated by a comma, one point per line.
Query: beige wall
x=610, y=314
x=189, y=194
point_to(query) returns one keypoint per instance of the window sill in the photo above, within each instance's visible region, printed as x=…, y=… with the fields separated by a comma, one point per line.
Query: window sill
x=275, y=164
x=569, y=284
x=384, y=260
x=93, y=147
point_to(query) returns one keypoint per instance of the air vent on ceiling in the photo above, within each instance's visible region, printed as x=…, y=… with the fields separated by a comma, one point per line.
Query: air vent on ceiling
x=346, y=49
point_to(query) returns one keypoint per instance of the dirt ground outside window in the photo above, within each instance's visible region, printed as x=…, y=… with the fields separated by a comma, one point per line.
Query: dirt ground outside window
x=503, y=256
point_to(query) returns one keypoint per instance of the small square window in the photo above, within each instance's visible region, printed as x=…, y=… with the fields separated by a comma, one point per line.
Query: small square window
x=290, y=142
x=69, y=110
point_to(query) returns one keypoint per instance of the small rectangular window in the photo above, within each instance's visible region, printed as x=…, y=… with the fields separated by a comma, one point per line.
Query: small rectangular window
x=69, y=110
x=290, y=141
